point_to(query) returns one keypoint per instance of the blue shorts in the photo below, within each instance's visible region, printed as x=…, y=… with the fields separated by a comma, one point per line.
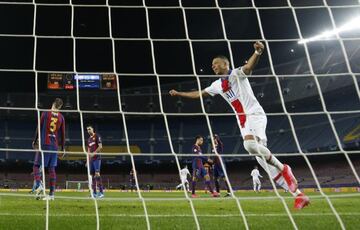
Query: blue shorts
x=199, y=172
x=50, y=159
x=218, y=172
x=95, y=166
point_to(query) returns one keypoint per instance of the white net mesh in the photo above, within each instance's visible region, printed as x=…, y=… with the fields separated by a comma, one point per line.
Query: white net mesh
x=310, y=91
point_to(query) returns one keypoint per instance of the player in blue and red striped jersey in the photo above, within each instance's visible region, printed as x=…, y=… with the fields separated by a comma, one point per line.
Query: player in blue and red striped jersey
x=94, y=145
x=218, y=172
x=52, y=133
x=199, y=170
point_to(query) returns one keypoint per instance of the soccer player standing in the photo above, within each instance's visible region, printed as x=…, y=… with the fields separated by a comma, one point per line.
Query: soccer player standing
x=132, y=182
x=218, y=171
x=234, y=87
x=94, y=145
x=52, y=131
x=198, y=168
x=183, y=177
x=255, y=177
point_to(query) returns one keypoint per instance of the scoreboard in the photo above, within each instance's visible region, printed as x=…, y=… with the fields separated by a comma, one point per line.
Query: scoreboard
x=58, y=81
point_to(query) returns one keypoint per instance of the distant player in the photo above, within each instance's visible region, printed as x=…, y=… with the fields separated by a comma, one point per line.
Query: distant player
x=218, y=171
x=207, y=167
x=52, y=131
x=234, y=87
x=255, y=177
x=132, y=180
x=183, y=177
x=198, y=167
x=94, y=145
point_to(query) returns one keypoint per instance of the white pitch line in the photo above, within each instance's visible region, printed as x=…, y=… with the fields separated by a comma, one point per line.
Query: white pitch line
x=333, y=196
x=182, y=215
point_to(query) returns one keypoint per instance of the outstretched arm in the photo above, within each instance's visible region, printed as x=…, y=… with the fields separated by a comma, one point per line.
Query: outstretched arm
x=192, y=94
x=254, y=59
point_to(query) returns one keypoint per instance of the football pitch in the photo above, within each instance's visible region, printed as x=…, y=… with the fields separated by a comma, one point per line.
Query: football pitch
x=168, y=210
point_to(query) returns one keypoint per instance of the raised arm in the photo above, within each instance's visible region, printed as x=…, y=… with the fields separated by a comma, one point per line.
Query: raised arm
x=254, y=59
x=192, y=94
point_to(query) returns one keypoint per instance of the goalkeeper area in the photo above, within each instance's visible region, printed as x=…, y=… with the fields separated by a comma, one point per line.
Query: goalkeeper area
x=170, y=211
x=179, y=114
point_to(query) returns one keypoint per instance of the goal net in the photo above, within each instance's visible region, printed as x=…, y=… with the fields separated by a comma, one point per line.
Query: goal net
x=77, y=185
x=113, y=64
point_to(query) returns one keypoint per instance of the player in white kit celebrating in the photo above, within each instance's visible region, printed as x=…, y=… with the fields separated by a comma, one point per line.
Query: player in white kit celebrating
x=234, y=87
x=255, y=177
x=183, y=177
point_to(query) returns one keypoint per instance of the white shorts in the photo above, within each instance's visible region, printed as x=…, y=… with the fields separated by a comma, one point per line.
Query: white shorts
x=184, y=181
x=256, y=181
x=255, y=125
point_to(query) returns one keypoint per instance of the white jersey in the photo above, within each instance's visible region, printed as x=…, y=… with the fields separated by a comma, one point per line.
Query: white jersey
x=237, y=91
x=184, y=172
x=240, y=96
x=255, y=174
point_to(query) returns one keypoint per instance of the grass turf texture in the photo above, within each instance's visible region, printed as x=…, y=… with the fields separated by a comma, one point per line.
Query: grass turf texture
x=24, y=212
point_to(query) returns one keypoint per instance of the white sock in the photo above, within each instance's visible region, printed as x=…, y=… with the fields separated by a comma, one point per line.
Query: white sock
x=253, y=147
x=275, y=162
x=274, y=172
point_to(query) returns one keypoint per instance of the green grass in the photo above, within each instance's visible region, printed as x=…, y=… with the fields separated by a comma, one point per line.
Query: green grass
x=24, y=212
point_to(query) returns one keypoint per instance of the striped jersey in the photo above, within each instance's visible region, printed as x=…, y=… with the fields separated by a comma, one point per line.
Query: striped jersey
x=52, y=126
x=93, y=143
x=198, y=161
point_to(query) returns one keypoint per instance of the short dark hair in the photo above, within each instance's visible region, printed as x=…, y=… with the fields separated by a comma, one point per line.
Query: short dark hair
x=226, y=59
x=198, y=137
x=58, y=103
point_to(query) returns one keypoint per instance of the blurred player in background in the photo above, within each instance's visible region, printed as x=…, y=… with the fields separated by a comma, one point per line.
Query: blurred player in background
x=255, y=177
x=207, y=167
x=198, y=168
x=234, y=87
x=218, y=171
x=52, y=131
x=183, y=177
x=132, y=180
x=94, y=145
x=36, y=169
